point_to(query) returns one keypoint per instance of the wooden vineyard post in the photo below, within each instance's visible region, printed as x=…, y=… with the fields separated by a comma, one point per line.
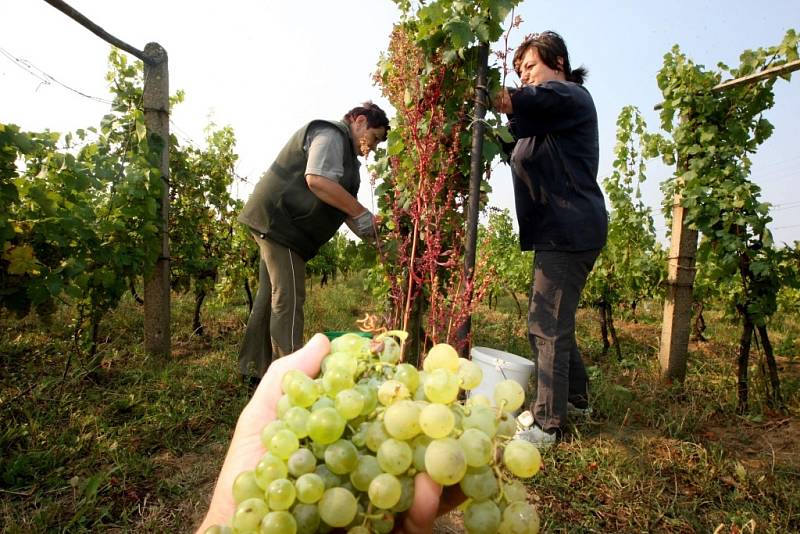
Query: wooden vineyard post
x=675, y=328
x=156, y=118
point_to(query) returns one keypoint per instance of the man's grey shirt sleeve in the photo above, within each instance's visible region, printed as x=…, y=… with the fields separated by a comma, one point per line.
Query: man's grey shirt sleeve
x=325, y=148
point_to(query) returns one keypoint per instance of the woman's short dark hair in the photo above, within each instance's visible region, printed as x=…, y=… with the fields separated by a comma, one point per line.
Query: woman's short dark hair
x=376, y=117
x=550, y=47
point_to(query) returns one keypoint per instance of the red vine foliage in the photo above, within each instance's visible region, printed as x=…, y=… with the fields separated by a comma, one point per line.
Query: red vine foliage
x=424, y=190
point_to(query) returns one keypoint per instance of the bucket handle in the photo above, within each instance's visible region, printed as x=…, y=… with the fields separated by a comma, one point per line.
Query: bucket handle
x=498, y=366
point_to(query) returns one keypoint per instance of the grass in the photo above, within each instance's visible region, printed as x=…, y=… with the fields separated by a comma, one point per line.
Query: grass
x=135, y=446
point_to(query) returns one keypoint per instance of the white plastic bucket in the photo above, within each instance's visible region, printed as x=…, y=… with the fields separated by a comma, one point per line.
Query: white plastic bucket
x=498, y=365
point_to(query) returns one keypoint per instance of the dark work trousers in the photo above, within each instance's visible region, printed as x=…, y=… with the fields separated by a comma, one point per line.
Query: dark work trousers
x=275, y=326
x=558, y=279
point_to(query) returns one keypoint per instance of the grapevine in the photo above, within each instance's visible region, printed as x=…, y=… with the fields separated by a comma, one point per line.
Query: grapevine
x=83, y=216
x=630, y=267
x=713, y=134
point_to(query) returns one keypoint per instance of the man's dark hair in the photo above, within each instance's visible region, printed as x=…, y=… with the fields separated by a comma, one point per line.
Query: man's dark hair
x=376, y=117
x=550, y=47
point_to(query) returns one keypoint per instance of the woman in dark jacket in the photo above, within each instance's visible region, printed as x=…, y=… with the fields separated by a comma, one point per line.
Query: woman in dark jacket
x=561, y=214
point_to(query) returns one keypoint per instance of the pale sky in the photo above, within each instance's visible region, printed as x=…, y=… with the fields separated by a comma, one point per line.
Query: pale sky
x=266, y=67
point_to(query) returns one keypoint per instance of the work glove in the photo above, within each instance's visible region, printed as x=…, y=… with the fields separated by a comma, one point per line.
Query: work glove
x=364, y=226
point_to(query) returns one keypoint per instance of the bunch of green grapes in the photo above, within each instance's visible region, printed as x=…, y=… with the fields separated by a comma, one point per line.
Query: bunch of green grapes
x=346, y=446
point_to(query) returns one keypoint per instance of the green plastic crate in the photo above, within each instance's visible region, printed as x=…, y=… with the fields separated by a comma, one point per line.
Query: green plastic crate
x=333, y=334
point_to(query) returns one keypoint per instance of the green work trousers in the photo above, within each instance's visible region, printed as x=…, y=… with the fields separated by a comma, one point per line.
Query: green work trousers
x=275, y=326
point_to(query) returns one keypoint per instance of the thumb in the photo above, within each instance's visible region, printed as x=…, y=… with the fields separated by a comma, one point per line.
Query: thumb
x=420, y=517
x=307, y=359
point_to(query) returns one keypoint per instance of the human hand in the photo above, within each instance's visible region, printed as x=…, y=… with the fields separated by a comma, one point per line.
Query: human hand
x=501, y=101
x=246, y=449
x=430, y=501
x=364, y=226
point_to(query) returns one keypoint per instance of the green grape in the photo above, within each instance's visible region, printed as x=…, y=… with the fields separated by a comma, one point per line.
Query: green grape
x=395, y=456
x=482, y=517
x=441, y=356
x=366, y=469
x=307, y=518
x=509, y=395
x=420, y=445
x=423, y=376
x=336, y=380
x=302, y=390
x=341, y=457
x=359, y=437
x=522, y=458
x=342, y=360
x=284, y=403
x=331, y=480
x=289, y=377
x=514, y=491
x=483, y=418
x=406, y=496
x=441, y=386
x=246, y=487
x=318, y=450
x=436, y=420
x=401, y=420
x=458, y=416
x=376, y=434
x=281, y=494
x=477, y=447
x=301, y=461
x=349, y=487
x=296, y=419
x=469, y=374
x=519, y=518
x=479, y=483
x=383, y=524
x=320, y=388
x=283, y=444
x=370, y=396
x=391, y=350
x=278, y=522
x=359, y=529
x=325, y=425
x=478, y=399
x=351, y=344
x=269, y=468
x=445, y=461
x=408, y=375
x=269, y=430
x=218, y=529
x=507, y=425
x=248, y=514
x=349, y=403
x=419, y=393
x=337, y=507
x=323, y=402
x=392, y=391
x=385, y=490
x=309, y=488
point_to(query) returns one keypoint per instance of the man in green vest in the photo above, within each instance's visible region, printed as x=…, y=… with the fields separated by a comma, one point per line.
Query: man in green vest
x=297, y=206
